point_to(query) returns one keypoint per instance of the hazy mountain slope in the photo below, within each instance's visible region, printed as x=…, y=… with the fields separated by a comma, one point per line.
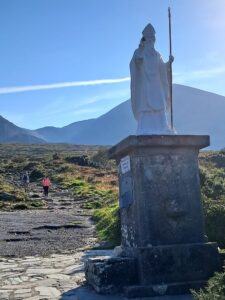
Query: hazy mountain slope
x=109, y=128
x=200, y=112
x=64, y=134
x=51, y=134
x=24, y=138
x=195, y=112
x=10, y=133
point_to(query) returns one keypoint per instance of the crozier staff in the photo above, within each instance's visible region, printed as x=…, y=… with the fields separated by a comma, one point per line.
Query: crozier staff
x=170, y=70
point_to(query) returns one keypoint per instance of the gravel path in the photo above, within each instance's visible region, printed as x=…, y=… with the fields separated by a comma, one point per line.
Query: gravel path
x=62, y=226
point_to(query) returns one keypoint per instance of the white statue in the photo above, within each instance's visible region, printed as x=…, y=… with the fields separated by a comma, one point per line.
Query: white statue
x=150, y=87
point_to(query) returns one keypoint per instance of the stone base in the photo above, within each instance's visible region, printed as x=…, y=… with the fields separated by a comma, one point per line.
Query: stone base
x=109, y=276
x=152, y=271
x=177, y=263
x=162, y=289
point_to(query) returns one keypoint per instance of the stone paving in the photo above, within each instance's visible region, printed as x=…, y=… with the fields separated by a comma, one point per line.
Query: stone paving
x=42, y=278
x=57, y=277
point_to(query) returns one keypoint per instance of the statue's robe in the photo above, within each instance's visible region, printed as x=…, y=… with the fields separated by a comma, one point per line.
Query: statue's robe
x=150, y=96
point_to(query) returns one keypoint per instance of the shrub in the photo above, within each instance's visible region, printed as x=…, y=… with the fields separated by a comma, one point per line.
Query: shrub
x=64, y=168
x=215, y=221
x=213, y=183
x=55, y=156
x=215, y=289
x=36, y=204
x=100, y=159
x=20, y=206
x=36, y=174
x=31, y=165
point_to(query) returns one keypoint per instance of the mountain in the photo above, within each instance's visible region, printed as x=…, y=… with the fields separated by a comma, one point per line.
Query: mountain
x=11, y=133
x=200, y=112
x=64, y=134
x=195, y=112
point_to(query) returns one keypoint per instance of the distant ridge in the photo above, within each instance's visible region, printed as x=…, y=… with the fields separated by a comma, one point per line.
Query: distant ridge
x=195, y=112
x=10, y=133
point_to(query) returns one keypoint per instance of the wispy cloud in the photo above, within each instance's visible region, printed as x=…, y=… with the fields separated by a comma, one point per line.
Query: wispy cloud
x=121, y=94
x=85, y=111
x=20, y=89
x=198, y=75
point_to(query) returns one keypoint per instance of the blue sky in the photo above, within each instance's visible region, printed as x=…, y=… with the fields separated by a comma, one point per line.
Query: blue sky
x=48, y=47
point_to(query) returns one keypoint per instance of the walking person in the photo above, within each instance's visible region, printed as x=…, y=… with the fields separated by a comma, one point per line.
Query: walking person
x=25, y=181
x=46, y=184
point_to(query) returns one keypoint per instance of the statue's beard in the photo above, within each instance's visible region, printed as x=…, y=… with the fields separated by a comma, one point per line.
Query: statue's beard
x=149, y=44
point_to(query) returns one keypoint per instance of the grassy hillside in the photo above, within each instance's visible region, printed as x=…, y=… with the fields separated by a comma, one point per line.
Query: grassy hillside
x=67, y=166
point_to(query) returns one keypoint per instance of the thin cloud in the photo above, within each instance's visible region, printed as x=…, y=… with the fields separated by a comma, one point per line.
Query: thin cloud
x=111, y=95
x=20, y=89
x=198, y=75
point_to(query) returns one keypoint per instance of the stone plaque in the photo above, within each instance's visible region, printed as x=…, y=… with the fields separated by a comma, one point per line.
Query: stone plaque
x=126, y=190
x=125, y=164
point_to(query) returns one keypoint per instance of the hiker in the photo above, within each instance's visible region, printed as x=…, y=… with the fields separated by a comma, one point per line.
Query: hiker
x=46, y=184
x=25, y=181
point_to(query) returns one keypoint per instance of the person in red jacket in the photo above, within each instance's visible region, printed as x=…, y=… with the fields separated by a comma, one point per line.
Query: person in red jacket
x=46, y=184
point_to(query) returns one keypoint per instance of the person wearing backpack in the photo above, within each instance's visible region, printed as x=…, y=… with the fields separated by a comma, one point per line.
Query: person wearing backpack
x=46, y=184
x=25, y=181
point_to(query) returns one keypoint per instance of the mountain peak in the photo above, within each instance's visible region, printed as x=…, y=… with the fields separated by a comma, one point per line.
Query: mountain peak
x=195, y=112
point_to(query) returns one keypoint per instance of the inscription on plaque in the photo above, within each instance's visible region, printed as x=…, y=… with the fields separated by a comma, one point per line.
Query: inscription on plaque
x=125, y=164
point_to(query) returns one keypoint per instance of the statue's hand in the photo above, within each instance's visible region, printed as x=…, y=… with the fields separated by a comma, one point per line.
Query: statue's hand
x=171, y=59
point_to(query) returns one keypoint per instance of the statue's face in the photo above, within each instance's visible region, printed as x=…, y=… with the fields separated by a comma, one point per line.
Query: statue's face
x=149, y=39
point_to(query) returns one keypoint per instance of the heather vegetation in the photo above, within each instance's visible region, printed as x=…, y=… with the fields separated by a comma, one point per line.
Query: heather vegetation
x=212, y=176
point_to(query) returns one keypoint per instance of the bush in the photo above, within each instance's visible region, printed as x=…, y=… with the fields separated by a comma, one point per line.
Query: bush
x=215, y=289
x=213, y=183
x=36, y=174
x=215, y=221
x=36, y=204
x=20, y=206
x=100, y=159
x=64, y=168
x=55, y=156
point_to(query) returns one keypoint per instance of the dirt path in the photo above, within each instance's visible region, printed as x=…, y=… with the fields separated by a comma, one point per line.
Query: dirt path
x=61, y=226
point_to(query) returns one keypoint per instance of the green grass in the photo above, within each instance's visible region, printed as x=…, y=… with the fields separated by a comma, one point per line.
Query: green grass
x=108, y=224
x=93, y=195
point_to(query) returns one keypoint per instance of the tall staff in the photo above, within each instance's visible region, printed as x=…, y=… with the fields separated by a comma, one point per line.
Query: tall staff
x=171, y=76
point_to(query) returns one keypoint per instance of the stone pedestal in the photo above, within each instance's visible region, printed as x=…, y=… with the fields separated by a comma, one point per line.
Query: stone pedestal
x=161, y=215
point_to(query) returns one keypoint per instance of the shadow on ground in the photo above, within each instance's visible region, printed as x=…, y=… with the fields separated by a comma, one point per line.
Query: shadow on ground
x=87, y=293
